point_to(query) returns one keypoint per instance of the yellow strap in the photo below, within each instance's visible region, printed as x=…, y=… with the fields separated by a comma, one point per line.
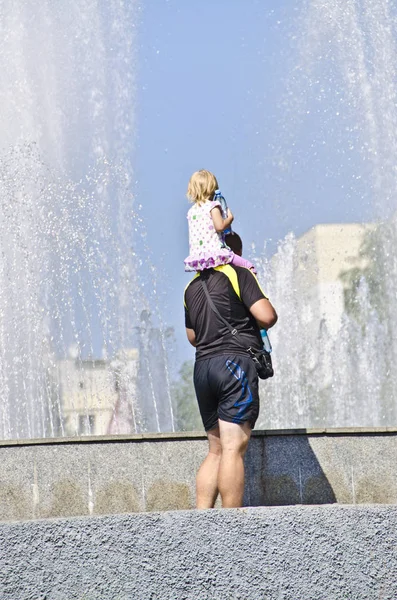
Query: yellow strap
x=232, y=277
x=259, y=285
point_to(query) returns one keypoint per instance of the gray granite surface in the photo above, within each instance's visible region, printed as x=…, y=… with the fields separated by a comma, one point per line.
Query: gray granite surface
x=325, y=552
x=153, y=473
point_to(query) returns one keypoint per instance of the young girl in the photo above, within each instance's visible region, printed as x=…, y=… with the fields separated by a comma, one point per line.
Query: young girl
x=207, y=247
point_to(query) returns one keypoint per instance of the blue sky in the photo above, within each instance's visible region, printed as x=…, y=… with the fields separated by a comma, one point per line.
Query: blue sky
x=213, y=79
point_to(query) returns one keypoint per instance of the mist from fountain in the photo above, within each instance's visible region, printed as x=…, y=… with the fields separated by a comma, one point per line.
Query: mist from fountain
x=340, y=371
x=73, y=283
x=76, y=286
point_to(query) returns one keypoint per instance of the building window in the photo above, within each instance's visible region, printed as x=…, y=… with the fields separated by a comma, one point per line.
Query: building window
x=86, y=425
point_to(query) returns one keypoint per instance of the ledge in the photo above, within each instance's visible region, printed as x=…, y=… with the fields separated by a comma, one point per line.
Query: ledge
x=197, y=435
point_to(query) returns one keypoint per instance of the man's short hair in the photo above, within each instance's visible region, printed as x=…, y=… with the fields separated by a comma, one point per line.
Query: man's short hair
x=233, y=240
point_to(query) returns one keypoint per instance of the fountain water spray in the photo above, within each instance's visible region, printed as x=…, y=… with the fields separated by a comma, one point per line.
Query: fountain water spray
x=73, y=282
x=336, y=367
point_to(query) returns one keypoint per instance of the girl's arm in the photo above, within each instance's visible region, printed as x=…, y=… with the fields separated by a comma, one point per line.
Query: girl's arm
x=219, y=223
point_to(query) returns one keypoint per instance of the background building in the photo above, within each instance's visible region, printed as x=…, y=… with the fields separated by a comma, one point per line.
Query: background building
x=323, y=255
x=98, y=397
x=323, y=356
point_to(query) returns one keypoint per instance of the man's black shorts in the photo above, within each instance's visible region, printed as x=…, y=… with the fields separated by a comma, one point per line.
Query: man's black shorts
x=227, y=389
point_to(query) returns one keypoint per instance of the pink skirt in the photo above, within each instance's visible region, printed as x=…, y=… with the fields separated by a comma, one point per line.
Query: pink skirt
x=205, y=260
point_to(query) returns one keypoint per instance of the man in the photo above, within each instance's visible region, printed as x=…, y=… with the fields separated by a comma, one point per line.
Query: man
x=225, y=377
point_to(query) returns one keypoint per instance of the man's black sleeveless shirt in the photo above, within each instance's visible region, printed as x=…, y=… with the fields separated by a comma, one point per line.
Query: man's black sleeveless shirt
x=212, y=336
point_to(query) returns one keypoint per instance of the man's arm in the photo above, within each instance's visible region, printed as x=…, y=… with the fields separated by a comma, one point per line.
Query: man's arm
x=255, y=300
x=264, y=313
x=191, y=336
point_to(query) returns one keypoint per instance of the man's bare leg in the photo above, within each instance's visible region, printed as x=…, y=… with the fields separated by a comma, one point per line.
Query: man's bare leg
x=207, y=475
x=234, y=440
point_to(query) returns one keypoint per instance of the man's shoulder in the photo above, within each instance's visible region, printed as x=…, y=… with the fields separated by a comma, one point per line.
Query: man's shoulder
x=194, y=279
x=243, y=271
x=243, y=274
x=243, y=280
x=239, y=278
x=213, y=275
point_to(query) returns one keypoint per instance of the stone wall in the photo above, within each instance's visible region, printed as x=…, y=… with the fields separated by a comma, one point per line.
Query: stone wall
x=98, y=476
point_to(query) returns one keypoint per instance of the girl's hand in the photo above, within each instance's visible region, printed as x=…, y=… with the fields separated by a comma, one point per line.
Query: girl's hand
x=221, y=224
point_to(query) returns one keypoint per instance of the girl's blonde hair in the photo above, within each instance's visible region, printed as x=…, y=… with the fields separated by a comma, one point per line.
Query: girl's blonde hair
x=202, y=186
